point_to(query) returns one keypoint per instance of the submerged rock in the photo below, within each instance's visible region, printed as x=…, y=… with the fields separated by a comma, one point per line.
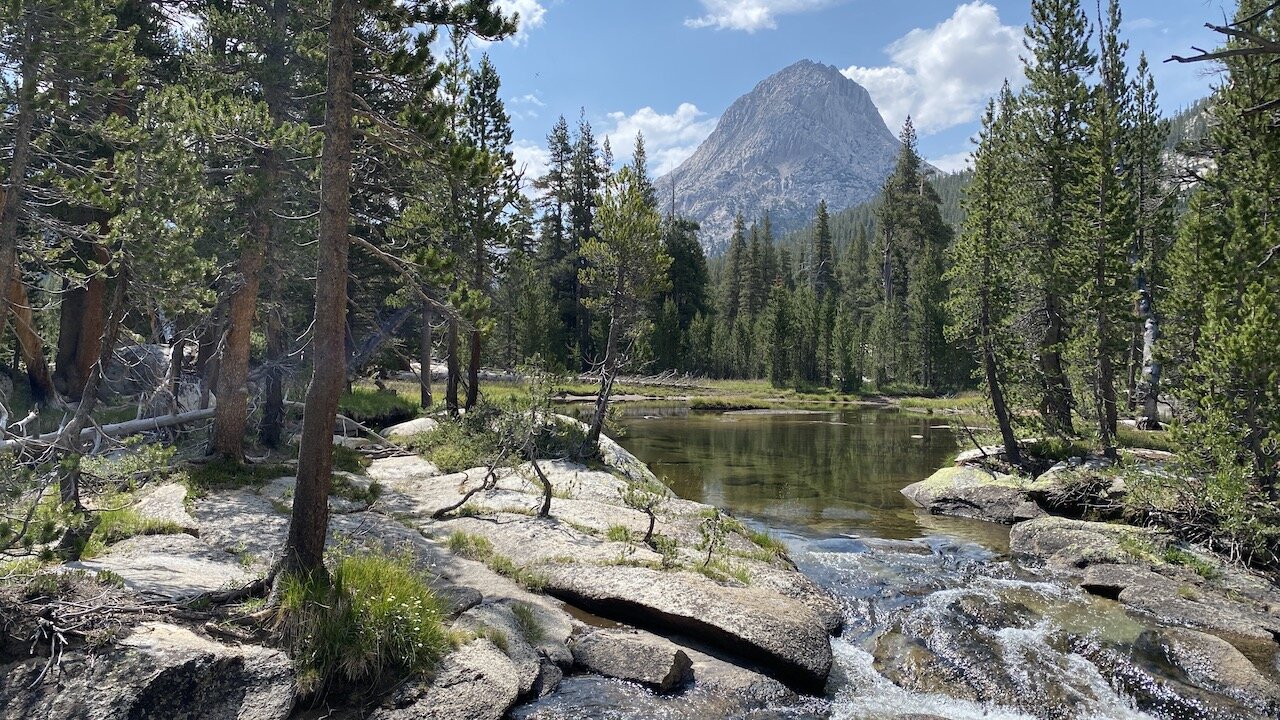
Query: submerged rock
x=158, y=672
x=967, y=491
x=1213, y=664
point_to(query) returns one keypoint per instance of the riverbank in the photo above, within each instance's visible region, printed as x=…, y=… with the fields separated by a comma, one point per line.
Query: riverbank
x=705, y=605
x=1218, y=622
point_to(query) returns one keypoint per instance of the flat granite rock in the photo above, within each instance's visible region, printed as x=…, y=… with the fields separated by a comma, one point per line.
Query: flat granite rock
x=174, y=567
x=477, y=682
x=158, y=672
x=779, y=632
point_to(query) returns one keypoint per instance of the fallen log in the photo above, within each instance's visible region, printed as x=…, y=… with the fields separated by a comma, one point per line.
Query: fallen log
x=122, y=429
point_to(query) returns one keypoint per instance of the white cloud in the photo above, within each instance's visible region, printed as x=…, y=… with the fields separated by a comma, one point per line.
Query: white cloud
x=532, y=15
x=531, y=159
x=954, y=162
x=942, y=76
x=751, y=15
x=668, y=138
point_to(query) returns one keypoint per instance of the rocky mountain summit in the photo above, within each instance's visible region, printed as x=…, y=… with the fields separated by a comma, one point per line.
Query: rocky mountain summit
x=804, y=134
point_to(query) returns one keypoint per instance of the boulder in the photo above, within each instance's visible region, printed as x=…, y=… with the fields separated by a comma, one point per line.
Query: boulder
x=1213, y=664
x=406, y=430
x=158, y=672
x=779, y=632
x=1067, y=544
x=967, y=491
x=477, y=682
x=173, y=567
x=642, y=658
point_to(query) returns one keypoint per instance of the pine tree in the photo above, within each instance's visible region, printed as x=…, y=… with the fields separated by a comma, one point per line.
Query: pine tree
x=626, y=264
x=1151, y=242
x=1053, y=110
x=1227, y=282
x=985, y=263
x=1098, y=250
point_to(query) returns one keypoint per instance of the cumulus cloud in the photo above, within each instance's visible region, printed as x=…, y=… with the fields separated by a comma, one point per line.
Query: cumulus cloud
x=532, y=15
x=531, y=159
x=751, y=15
x=954, y=162
x=943, y=76
x=668, y=138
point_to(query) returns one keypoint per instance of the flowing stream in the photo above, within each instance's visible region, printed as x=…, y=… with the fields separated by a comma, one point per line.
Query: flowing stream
x=939, y=620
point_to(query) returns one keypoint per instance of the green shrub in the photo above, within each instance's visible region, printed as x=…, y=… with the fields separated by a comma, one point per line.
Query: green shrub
x=456, y=445
x=374, y=623
x=618, y=533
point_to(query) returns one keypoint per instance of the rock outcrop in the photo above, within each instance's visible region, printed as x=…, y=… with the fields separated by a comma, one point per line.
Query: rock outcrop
x=158, y=672
x=973, y=492
x=804, y=134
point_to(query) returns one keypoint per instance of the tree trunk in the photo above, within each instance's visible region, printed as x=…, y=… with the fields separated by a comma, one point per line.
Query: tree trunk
x=424, y=358
x=273, y=398
x=991, y=369
x=68, y=440
x=233, y=363
x=608, y=372
x=13, y=193
x=309, y=524
x=1056, y=403
x=1149, y=388
x=29, y=343
x=473, y=370
x=451, y=362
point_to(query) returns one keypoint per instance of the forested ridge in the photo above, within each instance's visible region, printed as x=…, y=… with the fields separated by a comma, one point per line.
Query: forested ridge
x=250, y=212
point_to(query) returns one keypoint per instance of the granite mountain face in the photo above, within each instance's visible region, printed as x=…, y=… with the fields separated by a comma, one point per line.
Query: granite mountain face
x=804, y=134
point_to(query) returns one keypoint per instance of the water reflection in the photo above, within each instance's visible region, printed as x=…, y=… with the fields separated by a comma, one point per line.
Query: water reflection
x=817, y=473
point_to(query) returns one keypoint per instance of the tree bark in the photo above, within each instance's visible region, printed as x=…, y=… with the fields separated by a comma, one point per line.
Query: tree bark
x=1056, y=403
x=273, y=398
x=233, y=363
x=425, y=358
x=30, y=344
x=233, y=366
x=991, y=369
x=13, y=193
x=454, y=372
x=608, y=372
x=308, y=526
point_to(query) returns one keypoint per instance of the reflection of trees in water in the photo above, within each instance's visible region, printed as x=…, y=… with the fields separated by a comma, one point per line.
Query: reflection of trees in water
x=797, y=465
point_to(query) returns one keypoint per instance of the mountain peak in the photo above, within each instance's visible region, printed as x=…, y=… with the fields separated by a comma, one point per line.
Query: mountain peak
x=805, y=133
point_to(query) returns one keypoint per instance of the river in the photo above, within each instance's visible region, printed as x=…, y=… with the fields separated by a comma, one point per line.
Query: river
x=939, y=620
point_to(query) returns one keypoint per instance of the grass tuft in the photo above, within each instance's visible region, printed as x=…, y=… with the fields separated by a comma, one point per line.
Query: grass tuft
x=375, y=622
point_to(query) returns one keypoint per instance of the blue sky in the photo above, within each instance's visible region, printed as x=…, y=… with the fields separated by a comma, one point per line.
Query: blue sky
x=671, y=67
